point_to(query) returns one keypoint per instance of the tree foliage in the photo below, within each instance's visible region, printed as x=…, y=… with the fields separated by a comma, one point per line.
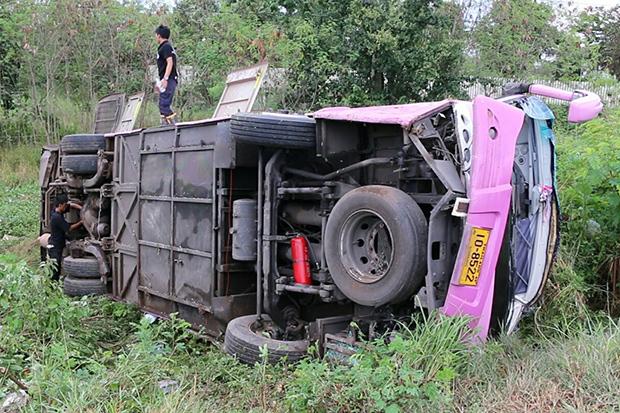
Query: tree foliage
x=59, y=57
x=359, y=52
x=600, y=28
x=514, y=37
x=353, y=51
x=9, y=56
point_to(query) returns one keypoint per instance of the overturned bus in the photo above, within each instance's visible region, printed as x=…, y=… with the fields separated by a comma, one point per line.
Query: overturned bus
x=277, y=230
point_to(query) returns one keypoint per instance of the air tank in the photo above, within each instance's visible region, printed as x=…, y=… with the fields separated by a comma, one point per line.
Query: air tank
x=244, y=230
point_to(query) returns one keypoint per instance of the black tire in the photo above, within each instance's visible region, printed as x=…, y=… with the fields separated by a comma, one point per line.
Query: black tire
x=363, y=272
x=79, y=164
x=81, y=267
x=244, y=344
x=79, y=287
x=82, y=143
x=274, y=130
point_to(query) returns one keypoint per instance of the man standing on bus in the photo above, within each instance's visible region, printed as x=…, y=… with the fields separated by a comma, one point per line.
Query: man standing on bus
x=168, y=75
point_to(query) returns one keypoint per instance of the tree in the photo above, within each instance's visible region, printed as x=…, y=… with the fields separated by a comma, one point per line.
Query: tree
x=513, y=38
x=10, y=62
x=371, y=52
x=347, y=52
x=574, y=57
x=215, y=37
x=600, y=28
x=76, y=52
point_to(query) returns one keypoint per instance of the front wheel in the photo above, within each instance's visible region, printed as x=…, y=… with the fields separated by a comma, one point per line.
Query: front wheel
x=375, y=245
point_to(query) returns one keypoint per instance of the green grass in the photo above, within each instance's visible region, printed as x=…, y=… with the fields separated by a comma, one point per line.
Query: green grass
x=576, y=374
x=97, y=355
x=93, y=355
x=19, y=164
x=19, y=197
x=57, y=115
x=589, y=187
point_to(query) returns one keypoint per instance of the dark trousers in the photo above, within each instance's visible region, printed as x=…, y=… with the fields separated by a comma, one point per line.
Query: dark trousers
x=165, y=98
x=56, y=255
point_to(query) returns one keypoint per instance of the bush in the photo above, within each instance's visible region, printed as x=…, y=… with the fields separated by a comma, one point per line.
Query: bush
x=589, y=176
x=589, y=188
x=412, y=371
x=31, y=123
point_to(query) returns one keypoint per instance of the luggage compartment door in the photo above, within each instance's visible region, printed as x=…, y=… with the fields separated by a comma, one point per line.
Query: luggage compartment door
x=175, y=240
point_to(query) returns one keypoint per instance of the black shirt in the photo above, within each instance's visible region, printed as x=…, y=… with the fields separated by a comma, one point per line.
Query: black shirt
x=164, y=51
x=59, y=228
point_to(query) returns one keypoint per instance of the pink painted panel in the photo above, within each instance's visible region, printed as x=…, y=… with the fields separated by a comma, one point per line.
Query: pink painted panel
x=551, y=92
x=496, y=128
x=403, y=115
x=583, y=106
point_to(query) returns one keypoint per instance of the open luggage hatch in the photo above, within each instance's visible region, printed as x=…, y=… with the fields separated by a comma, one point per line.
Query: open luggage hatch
x=115, y=113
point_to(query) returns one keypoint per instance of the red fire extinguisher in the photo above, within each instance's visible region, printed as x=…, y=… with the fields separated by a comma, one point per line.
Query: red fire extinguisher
x=301, y=262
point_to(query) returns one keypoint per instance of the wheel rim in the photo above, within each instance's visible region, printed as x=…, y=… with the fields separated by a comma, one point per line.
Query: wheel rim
x=366, y=249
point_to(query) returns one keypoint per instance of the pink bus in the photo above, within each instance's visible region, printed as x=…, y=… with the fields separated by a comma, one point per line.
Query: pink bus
x=276, y=231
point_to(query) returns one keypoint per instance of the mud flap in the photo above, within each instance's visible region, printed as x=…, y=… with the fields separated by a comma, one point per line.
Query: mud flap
x=496, y=128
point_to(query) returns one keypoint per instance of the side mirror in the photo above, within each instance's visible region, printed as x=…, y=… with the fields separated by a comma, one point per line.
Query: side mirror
x=585, y=107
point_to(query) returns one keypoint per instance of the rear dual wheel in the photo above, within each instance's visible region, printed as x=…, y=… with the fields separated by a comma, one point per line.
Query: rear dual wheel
x=87, y=267
x=79, y=164
x=82, y=144
x=82, y=277
x=79, y=287
x=79, y=153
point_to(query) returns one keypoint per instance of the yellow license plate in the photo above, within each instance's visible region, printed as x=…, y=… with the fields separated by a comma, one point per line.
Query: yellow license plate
x=472, y=263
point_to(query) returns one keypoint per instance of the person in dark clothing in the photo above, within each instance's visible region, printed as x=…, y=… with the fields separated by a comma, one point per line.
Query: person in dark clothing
x=59, y=230
x=168, y=75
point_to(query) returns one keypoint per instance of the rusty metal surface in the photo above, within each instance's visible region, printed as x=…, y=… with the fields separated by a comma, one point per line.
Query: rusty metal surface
x=176, y=196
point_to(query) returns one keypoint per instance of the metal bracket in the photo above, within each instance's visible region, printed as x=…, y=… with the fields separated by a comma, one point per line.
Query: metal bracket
x=445, y=170
x=104, y=266
x=275, y=238
x=107, y=190
x=103, y=171
x=300, y=190
x=107, y=244
x=461, y=206
x=429, y=296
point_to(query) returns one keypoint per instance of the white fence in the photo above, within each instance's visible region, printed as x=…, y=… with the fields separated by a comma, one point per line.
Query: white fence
x=610, y=94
